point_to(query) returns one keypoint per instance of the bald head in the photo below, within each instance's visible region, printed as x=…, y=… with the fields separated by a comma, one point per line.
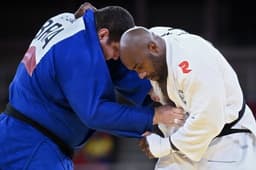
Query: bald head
x=133, y=44
x=142, y=51
x=134, y=34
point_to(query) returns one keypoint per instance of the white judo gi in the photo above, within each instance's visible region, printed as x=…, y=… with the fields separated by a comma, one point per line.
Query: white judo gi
x=203, y=83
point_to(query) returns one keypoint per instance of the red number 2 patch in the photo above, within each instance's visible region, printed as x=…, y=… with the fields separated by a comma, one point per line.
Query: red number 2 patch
x=184, y=65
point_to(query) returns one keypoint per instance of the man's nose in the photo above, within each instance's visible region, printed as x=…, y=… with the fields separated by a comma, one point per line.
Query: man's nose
x=142, y=75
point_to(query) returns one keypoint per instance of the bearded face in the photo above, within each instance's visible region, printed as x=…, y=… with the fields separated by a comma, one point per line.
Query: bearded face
x=158, y=69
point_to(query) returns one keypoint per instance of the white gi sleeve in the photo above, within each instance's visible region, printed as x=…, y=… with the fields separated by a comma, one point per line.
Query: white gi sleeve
x=158, y=146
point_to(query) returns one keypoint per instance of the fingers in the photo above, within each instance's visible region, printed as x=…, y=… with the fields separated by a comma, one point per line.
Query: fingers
x=178, y=122
x=82, y=9
x=175, y=115
x=153, y=96
x=169, y=115
x=177, y=110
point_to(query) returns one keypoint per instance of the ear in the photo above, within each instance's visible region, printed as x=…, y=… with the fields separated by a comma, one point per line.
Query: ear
x=153, y=48
x=103, y=32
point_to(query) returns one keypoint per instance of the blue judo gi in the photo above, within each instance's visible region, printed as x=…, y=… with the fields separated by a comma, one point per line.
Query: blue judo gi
x=64, y=83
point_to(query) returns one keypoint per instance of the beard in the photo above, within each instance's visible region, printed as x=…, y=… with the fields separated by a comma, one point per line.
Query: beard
x=160, y=68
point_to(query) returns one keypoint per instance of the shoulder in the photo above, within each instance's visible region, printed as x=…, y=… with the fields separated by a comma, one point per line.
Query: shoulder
x=165, y=31
x=159, y=30
x=64, y=17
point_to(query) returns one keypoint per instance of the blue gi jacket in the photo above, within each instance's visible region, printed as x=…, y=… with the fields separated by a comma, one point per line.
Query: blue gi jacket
x=65, y=84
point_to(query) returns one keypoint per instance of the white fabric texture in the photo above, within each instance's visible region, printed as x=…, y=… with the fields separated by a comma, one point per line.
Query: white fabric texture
x=209, y=91
x=158, y=146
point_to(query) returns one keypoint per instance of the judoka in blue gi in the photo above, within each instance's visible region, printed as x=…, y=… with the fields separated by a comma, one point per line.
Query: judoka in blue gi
x=64, y=90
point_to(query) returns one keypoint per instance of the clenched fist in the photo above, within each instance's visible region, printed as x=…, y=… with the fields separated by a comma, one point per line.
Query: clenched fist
x=169, y=115
x=81, y=10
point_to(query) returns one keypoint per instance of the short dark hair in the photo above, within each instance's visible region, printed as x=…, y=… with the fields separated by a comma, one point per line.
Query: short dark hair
x=116, y=19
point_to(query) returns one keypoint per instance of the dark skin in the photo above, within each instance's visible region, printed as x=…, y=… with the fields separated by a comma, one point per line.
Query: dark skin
x=162, y=113
x=144, y=52
x=162, y=81
x=163, y=72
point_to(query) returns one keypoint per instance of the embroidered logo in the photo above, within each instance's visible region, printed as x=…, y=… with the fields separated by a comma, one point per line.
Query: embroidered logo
x=184, y=65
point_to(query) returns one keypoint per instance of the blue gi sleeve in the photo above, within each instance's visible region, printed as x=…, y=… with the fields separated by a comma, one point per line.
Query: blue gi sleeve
x=84, y=79
x=92, y=99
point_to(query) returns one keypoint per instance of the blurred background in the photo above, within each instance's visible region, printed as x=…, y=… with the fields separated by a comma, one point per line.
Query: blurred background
x=229, y=25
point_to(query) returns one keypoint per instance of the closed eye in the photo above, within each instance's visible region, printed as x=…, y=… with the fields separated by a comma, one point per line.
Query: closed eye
x=135, y=66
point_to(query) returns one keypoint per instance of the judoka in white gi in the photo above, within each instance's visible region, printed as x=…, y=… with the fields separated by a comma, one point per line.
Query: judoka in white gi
x=220, y=131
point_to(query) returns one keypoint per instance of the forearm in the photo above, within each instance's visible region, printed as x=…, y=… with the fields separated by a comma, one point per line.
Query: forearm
x=121, y=120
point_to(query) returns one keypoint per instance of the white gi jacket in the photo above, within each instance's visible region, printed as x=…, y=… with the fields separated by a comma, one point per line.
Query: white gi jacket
x=203, y=83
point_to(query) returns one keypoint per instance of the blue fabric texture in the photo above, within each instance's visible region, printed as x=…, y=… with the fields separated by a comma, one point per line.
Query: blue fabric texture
x=72, y=89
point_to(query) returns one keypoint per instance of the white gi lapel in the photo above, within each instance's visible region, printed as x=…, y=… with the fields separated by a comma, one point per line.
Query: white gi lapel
x=174, y=93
